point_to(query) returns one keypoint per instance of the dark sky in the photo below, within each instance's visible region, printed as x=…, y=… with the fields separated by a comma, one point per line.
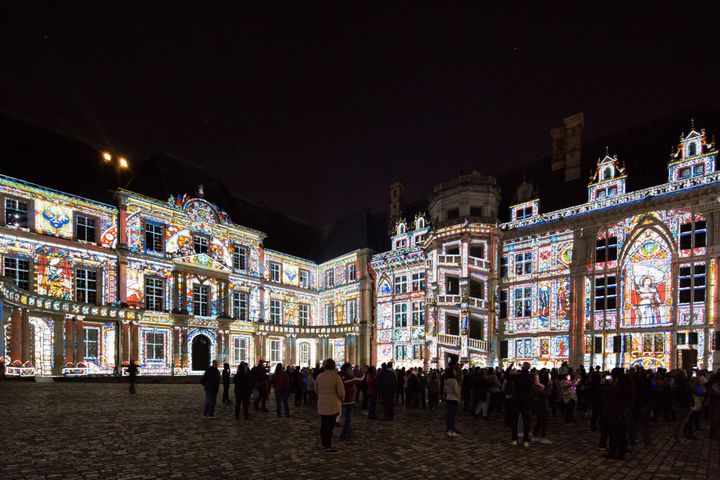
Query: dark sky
x=315, y=111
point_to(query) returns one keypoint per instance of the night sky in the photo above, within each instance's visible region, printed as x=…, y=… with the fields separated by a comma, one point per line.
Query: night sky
x=315, y=111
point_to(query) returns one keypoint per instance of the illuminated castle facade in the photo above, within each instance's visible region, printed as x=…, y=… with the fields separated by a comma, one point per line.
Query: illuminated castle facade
x=88, y=287
x=621, y=277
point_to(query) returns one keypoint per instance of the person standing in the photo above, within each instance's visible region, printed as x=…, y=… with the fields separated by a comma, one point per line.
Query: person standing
x=243, y=389
x=260, y=377
x=330, y=395
x=211, y=383
x=540, y=391
x=132, y=372
x=522, y=385
x=349, y=382
x=683, y=402
x=452, y=399
x=226, y=383
x=433, y=388
x=371, y=389
x=281, y=383
x=387, y=383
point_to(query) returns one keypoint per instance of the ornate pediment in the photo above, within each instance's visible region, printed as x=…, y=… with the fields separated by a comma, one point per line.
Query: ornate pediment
x=201, y=261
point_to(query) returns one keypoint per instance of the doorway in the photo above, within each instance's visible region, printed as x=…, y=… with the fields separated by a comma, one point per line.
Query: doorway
x=200, y=352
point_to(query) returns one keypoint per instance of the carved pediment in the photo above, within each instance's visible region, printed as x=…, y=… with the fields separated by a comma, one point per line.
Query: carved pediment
x=202, y=261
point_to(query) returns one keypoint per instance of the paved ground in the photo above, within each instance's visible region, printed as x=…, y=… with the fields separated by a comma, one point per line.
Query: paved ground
x=77, y=430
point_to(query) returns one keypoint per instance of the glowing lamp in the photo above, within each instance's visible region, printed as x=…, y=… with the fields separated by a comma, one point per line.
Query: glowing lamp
x=106, y=156
x=123, y=162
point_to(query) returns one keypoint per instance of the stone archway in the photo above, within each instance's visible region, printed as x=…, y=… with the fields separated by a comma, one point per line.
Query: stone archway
x=200, y=352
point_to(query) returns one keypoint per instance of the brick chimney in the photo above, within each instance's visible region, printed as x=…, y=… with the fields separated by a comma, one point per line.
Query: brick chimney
x=567, y=146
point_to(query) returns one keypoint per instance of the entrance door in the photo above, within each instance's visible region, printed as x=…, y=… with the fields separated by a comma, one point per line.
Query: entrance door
x=687, y=359
x=451, y=358
x=200, y=352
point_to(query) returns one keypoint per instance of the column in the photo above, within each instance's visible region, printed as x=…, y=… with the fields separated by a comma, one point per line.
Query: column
x=58, y=345
x=26, y=337
x=220, y=347
x=581, y=252
x=319, y=351
x=183, y=347
x=175, y=300
x=80, y=339
x=227, y=346
x=69, y=340
x=16, y=335
x=291, y=351
x=183, y=292
x=134, y=343
x=175, y=349
x=125, y=342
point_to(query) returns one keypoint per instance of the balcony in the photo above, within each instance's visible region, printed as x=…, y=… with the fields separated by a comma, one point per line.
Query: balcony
x=477, y=302
x=448, y=299
x=478, y=262
x=445, y=339
x=453, y=260
x=476, y=344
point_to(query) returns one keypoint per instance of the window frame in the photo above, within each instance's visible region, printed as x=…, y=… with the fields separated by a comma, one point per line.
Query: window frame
x=400, y=283
x=400, y=315
x=98, y=285
x=275, y=267
x=76, y=227
x=276, y=311
x=161, y=234
x=203, y=238
x=153, y=346
x=525, y=302
x=240, y=254
x=240, y=305
x=418, y=282
x=87, y=343
x=161, y=295
x=17, y=270
x=198, y=311
x=29, y=208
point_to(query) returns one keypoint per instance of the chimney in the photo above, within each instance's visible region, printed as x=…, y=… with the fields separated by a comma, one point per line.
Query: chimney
x=567, y=146
x=397, y=203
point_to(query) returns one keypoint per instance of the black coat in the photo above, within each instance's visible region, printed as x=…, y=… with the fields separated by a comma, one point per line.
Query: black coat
x=211, y=379
x=244, y=384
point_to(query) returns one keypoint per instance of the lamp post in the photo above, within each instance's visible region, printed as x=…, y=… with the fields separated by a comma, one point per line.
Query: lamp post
x=119, y=163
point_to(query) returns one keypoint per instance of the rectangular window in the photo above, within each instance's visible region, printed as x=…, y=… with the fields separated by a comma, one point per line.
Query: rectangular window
x=523, y=302
x=16, y=213
x=86, y=286
x=453, y=249
x=477, y=250
x=329, y=278
x=153, y=238
x=606, y=250
x=240, y=258
x=418, y=314
x=329, y=314
x=401, y=284
x=304, y=279
x=400, y=352
x=503, y=304
x=19, y=270
x=351, y=273
x=452, y=324
x=693, y=235
x=85, y=229
x=304, y=314
x=476, y=330
x=523, y=213
x=275, y=274
x=418, y=352
x=605, y=292
x=452, y=286
x=504, y=266
x=418, y=282
x=275, y=311
x=201, y=300
x=155, y=346
x=351, y=309
x=200, y=244
x=523, y=263
x=240, y=349
x=400, y=315
x=275, y=351
x=154, y=293
x=477, y=289
x=692, y=283
x=240, y=302
x=92, y=338
x=419, y=239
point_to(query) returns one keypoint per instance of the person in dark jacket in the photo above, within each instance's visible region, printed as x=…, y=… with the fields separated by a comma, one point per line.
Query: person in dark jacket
x=260, y=376
x=621, y=397
x=386, y=384
x=371, y=389
x=683, y=402
x=521, y=388
x=281, y=383
x=211, y=383
x=132, y=372
x=226, y=383
x=243, y=389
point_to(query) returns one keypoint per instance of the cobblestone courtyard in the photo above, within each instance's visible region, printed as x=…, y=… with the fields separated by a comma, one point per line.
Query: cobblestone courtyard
x=95, y=430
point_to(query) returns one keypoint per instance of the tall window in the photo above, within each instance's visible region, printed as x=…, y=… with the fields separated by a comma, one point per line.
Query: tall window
x=400, y=352
x=351, y=309
x=418, y=352
x=418, y=314
x=401, y=284
x=351, y=273
x=275, y=311
x=400, y=315
x=239, y=258
x=304, y=314
x=523, y=263
x=304, y=353
x=92, y=336
x=329, y=314
x=201, y=300
x=503, y=266
x=85, y=229
x=418, y=282
x=200, y=244
x=503, y=304
x=16, y=212
x=605, y=292
x=240, y=301
x=275, y=351
x=154, y=293
x=155, y=346
x=19, y=270
x=275, y=274
x=86, y=285
x=304, y=278
x=329, y=278
x=240, y=349
x=692, y=283
x=153, y=237
x=693, y=235
x=606, y=249
x=523, y=302
x=452, y=285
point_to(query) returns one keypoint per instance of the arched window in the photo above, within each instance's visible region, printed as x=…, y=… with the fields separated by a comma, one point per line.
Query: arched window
x=692, y=149
x=607, y=173
x=420, y=223
x=401, y=229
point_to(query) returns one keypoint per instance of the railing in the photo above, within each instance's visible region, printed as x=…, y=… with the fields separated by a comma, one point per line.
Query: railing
x=477, y=302
x=448, y=259
x=478, y=262
x=446, y=339
x=476, y=344
x=271, y=328
x=451, y=299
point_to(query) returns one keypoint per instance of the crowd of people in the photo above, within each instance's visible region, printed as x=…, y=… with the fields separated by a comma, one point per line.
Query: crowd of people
x=618, y=405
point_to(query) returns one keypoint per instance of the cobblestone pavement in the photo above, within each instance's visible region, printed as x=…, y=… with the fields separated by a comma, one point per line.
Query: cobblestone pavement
x=91, y=430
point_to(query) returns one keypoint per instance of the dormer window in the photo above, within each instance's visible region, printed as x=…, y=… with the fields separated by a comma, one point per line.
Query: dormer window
x=606, y=193
x=691, y=171
x=419, y=223
x=401, y=229
x=691, y=149
x=526, y=212
x=607, y=174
